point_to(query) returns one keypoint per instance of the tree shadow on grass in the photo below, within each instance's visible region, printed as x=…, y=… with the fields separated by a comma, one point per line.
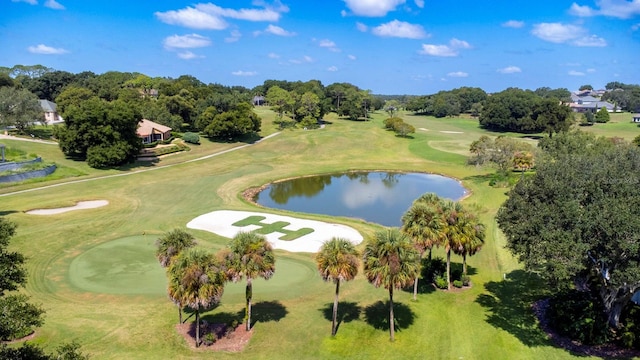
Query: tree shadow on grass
x=347, y=312
x=509, y=306
x=377, y=315
x=266, y=311
x=223, y=318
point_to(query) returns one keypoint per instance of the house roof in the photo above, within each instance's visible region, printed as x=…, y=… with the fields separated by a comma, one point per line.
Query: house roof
x=48, y=106
x=148, y=127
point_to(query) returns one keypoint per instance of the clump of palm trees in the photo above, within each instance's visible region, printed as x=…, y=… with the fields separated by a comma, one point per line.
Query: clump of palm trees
x=392, y=258
x=197, y=277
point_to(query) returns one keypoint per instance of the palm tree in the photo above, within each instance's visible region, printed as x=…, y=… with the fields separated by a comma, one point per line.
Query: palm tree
x=423, y=223
x=391, y=261
x=196, y=280
x=452, y=212
x=472, y=234
x=251, y=256
x=338, y=261
x=169, y=245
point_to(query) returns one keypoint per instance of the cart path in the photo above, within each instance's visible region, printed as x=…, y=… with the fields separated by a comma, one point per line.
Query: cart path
x=129, y=173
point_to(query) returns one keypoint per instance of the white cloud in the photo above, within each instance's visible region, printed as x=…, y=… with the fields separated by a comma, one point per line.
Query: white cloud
x=362, y=27
x=445, y=50
x=460, y=74
x=244, y=73
x=575, y=73
x=326, y=43
x=564, y=33
x=591, y=71
x=188, y=55
x=372, y=8
x=275, y=30
x=557, y=32
x=593, y=40
x=621, y=9
x=188, y=41
x=192, y=18
x=400, y=29
x=305, y=59
x=332, y=69
x=510, y=70
x=273, y=56
x=233, y=37
x=211, y=17
x=419, y=3
x=53, y=4
x=351, y=57
x=46, y=50
x=31, y=2
x=266, y=14
x=513, y=24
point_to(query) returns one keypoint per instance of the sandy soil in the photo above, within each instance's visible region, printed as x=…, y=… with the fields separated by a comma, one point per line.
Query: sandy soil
x=81, y=205
x=220, y=223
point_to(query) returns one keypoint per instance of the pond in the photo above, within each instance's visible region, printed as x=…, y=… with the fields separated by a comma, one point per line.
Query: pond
x=378, y=197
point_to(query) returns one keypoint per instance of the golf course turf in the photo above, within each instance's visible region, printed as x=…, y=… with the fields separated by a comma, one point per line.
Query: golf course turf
x=93, y=270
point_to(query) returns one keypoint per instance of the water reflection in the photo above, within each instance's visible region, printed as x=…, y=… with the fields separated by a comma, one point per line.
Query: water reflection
x=380, y=197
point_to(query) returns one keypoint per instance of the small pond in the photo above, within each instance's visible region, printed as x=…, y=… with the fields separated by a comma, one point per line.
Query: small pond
x=379, y=197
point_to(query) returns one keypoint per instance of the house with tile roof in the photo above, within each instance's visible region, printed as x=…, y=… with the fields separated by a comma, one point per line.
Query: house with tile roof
x=150, y=131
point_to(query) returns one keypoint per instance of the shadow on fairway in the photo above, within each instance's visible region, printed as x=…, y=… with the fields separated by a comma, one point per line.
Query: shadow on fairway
x=266, y=311
x=377, y=315
x=509, y=306
x=7, y=212
x=347, y=312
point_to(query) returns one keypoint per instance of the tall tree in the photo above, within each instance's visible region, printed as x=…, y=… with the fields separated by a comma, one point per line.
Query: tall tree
x=280, y=100
x=250, y=256
x=105, y=134
x=19, y=108
x=196, y=279
x=423, y=222
x=576, y=223
x=169, y=246
x=391, y=261
x=337, y=260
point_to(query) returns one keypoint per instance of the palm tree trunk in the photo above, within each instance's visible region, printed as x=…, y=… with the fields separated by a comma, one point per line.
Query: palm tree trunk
x=464, y=264
x=334, y=328
x=249, y=295
x=180, y=313
x=197, y=328
x=415, y=289
x=392, y=325
x=449, y=269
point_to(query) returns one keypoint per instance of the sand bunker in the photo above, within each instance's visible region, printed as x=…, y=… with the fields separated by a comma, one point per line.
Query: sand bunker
x=221, y=223
x=79, y=206
x=451, y=132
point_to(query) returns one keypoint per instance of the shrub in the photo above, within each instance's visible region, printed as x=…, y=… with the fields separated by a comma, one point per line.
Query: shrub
x=175, y=134
x=466, y=280
x=431, y=269
x=441, y=282
x=602, y=116
x=150, y=145
x=630, y=330
x=457, y=283
x=191, y=138
x=392, y=122
x=209, y=339
x=580, y=316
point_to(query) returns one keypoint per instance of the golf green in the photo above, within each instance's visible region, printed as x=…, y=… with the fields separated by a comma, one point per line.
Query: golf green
x=128, y=266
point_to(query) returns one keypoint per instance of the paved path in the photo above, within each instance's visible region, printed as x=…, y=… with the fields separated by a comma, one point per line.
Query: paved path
x=11, y=137
x=129, y=173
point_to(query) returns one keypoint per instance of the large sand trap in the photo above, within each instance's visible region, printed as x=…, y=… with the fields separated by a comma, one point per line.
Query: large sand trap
x=79, y=206
x=221, y=223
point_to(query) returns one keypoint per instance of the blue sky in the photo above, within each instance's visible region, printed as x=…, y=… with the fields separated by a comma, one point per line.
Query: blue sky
x=386, y=46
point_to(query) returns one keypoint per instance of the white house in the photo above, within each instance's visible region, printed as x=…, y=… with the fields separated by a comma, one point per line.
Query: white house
x=51, y=116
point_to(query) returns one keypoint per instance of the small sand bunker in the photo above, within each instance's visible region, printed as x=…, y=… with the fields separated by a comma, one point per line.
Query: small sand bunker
x=423, y=129
x=451, y=132
x=79, y=206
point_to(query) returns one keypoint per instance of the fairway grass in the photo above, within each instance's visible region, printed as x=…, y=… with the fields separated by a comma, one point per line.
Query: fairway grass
x=95, y=273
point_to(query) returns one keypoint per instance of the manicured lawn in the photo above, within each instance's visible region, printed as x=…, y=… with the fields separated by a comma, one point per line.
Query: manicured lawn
x=95, y=274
